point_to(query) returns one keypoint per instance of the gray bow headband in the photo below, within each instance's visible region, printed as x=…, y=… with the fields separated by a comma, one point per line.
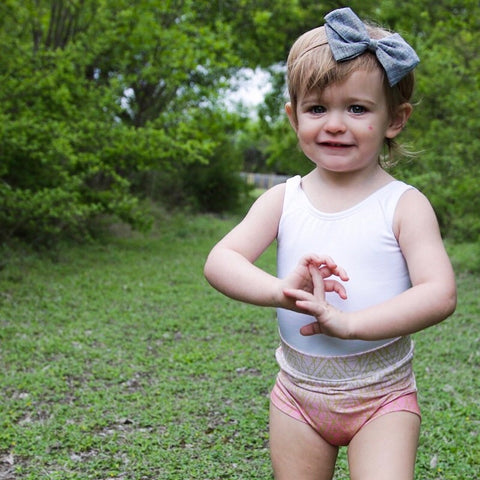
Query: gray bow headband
x=348, y=38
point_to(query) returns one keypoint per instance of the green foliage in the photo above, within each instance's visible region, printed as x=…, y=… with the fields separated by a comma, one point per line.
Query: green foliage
x=211, y=185
x=93, y=93
x=217, y=186
x=99, y=95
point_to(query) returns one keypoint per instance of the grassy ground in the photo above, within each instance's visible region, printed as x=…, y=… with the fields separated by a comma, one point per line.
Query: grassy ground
x=118, y=361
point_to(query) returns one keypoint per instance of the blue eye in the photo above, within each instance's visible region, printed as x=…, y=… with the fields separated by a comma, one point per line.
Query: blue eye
x=357, y=109
x=317, y=109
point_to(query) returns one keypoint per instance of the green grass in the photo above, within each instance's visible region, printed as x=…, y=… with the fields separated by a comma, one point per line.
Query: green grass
x=118, y=361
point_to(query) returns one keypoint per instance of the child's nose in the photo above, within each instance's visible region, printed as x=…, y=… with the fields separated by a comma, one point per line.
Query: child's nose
x=334, y=122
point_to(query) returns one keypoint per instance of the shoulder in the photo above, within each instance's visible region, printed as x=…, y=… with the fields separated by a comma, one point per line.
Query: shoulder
x=268, y=206
x=412, y=198
x=415, y=216
x=259, y=228
x=272, y=197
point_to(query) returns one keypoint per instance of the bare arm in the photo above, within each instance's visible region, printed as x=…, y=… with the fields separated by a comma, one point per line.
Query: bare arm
x=230, y=265
x=431, y=299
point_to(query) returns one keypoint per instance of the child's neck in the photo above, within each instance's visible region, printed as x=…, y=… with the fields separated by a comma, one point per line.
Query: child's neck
x=332, y=192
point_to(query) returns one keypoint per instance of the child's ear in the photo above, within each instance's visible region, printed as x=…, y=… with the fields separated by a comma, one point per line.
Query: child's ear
x=291, y=116
x=399, y=120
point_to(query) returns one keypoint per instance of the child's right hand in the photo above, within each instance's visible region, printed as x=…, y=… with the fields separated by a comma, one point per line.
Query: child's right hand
x=301, y=279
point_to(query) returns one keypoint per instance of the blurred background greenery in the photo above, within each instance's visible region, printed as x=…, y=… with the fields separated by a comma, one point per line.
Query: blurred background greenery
x=108, y=105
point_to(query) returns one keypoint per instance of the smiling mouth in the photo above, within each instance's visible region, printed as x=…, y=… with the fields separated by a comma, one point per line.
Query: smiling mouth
x=334, y=144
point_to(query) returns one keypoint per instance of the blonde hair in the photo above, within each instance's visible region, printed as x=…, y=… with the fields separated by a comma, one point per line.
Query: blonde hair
x=311, y=66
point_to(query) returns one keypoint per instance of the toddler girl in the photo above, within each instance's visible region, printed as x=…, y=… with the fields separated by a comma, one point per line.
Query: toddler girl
x=345, y=355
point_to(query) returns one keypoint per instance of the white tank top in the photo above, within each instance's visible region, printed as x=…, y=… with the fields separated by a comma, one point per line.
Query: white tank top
x=361, y=240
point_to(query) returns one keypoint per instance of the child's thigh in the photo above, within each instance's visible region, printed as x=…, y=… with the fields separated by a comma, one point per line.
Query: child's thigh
x=297, y=451
x=385, y=448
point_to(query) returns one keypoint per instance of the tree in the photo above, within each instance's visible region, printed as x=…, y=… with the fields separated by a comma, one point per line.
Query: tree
x=93, y=92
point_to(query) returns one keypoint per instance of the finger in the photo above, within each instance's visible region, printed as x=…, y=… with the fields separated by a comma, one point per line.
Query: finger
x=328, y=267
x=341, y=273
x=318, y=283
x=312, y=307
x=337, y=271
x=329, y=286
x=325, y=271
x=337, y=287
x=297, y=294
x=321, y=261
x=310, y=329
x=318, y=260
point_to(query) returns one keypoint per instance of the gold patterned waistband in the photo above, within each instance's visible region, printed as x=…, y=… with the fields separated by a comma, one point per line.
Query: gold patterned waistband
x=335, y=368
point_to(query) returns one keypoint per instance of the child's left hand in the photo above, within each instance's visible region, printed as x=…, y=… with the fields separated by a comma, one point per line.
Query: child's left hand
x=330, y=321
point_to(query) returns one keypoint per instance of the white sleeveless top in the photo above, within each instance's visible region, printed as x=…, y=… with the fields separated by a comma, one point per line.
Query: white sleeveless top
x=359, y=239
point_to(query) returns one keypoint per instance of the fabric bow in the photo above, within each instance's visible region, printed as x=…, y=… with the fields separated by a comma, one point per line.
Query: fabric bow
x=348, y=38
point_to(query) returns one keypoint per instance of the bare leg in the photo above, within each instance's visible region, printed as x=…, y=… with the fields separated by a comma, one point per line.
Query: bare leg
x=297, y=451
x=385, y=448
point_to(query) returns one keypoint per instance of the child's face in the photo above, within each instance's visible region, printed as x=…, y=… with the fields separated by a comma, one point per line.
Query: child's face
x=343, y=127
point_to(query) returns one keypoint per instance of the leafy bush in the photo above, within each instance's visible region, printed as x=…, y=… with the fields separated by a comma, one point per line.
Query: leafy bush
x=214, y=184
x=91, y=95
x=216, y=187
